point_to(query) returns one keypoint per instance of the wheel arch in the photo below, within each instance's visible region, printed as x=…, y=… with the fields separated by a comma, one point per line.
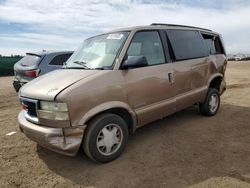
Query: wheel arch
x=115, y=107
x=215, y=81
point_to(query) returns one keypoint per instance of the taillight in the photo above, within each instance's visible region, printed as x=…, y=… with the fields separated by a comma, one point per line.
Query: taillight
x=32, y=73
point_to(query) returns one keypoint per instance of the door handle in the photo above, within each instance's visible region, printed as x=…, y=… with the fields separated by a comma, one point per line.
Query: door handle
x=171, y=77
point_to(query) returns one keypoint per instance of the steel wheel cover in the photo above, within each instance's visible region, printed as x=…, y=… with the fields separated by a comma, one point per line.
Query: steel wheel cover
x=109, y=139
x=213, y=103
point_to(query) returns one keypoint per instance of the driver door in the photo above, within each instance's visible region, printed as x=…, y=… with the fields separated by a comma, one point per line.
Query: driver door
x=149, y=88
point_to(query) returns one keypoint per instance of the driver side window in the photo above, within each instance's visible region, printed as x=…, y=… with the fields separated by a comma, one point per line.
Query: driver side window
x=148, y=44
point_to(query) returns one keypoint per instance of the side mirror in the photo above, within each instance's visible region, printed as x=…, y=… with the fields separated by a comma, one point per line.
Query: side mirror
x=134, y=62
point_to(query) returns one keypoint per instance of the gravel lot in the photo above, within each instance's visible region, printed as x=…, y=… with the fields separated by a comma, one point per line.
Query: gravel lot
x=183, y=150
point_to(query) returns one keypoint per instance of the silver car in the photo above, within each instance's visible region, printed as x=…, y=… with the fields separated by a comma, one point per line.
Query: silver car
x=36, y=64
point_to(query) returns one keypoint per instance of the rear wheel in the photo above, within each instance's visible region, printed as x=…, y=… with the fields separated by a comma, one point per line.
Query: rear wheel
x=211, y=104
x=106, y=137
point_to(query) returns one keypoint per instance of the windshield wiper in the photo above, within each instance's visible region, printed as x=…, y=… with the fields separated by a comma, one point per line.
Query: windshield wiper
x=83, y=64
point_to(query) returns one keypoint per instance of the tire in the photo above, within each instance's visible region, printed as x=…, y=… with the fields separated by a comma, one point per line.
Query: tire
x=105, y=138
x=211, y=104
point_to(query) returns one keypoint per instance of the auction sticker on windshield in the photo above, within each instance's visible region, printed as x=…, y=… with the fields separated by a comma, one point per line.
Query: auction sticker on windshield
x=116, y=36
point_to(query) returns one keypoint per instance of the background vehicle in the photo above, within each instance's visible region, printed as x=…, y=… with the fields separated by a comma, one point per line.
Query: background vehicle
x=36, y=64
x=119, y=81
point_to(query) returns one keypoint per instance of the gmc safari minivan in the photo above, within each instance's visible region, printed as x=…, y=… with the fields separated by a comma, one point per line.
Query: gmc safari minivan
x=119, y=81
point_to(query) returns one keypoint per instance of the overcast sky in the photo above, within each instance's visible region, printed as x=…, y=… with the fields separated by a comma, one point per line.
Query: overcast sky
x=33, y=25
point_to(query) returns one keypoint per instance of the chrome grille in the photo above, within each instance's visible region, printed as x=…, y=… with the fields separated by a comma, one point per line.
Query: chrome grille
x=31, y=109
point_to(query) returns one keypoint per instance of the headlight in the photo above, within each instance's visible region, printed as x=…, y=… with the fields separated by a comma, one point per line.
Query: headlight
x=53, y=111
x=53, y=106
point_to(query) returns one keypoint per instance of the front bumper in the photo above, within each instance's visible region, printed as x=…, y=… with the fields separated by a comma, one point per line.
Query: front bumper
x=66, y=141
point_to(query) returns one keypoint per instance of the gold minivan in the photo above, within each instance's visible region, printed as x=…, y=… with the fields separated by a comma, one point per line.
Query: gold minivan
x=119, y=81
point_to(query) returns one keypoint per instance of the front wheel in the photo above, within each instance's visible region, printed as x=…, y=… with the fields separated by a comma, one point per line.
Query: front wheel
x=106, y=137
x=211, y=104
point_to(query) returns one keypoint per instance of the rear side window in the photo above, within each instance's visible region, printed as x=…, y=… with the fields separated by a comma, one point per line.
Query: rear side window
x=148, y=44
x=187, y=44
x=60, y=59
x=29, y=60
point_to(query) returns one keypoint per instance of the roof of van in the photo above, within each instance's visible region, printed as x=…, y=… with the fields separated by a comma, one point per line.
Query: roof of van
x=166, y=26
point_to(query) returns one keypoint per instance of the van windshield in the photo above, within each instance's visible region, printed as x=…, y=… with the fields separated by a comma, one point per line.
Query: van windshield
x=98, y=52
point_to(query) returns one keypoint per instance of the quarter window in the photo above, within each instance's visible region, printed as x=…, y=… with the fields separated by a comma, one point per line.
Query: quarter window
x=187, y=44
x=209, y=40
x=148, y=44
x=218, y=46
x=213, y=43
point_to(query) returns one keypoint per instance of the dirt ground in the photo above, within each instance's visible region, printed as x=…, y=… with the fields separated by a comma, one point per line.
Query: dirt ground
x=183, y=150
